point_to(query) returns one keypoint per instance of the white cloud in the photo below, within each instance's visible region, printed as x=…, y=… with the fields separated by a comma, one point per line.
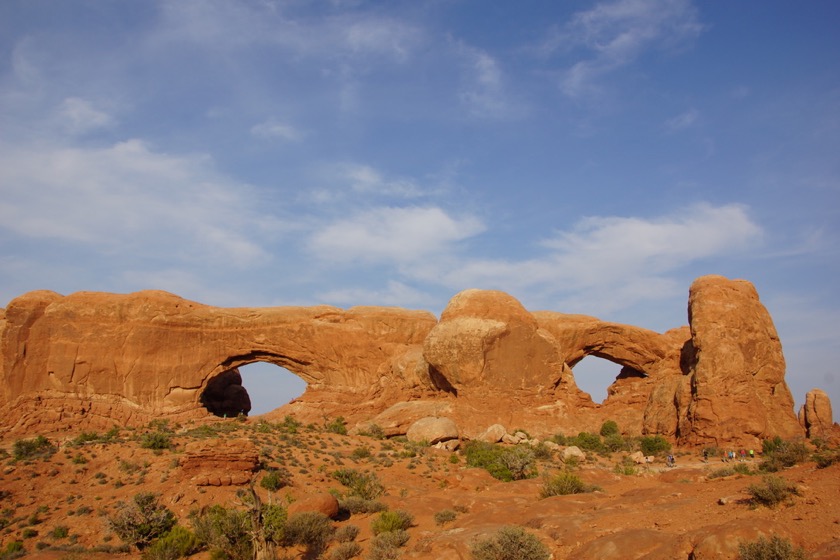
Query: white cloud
x=394, y=293
x=682, y=121
x=275, y=129
x=615, y=34
x=128, y=198
x=608, y=263
x=79, y=116
x=393, y=235
x=483, y=90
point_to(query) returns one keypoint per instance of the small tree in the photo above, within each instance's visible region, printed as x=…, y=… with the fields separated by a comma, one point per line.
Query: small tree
x=142, y=520
x=609, y=428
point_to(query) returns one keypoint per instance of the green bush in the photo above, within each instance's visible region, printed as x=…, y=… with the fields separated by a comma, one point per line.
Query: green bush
x=503, y=463
x=179, y=542
x=654, y=445
x=609, y=428
x=587, y=442
x=14, y=549
x=772, y=491
x=142, y=520
x=337, y=426
x=60, y=532
x=510, y=543
x=387, y=521
x=363, y=485
x=273, y=518
x=615, y=442
x=156, y=440
x=227, y=533
x=780, y=454
x=275, y=479
x=311, y=529
x=564, y=483
x=36, y=448
x=774, y=548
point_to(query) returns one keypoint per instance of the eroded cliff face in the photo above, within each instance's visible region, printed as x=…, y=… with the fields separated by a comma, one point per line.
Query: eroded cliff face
x=93, y=359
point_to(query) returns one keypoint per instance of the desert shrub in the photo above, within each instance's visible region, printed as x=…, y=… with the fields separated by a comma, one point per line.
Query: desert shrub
x=177, y=543
x=360, y=452
x=771, y=491
x=374, y=431
x=346, y=533
x=609, y=428
x=363, y=485
x=275, y=479
x=387, y=521
x=587, y=442
x=29, y=533
x=35, y=448
x=779, y=454
x=615, y=442
x=355, y=504
x=337, y=426
x=444, y=516
x=385, y=546
x=564, y=483
x=14, y=549
x=654, y=445
x=541, y=452
x=346, y=550
x=510, y=543
x=226, y=532
x=156, y=440
x=311, y=529
x=559, y=439
x=60, y=532
x=826, y=458
x=774, y=548
x=505, y=464
x=142, y=520
x=721, y=473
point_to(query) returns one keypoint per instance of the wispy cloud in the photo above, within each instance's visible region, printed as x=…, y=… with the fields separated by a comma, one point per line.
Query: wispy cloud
x=393, y=293
x=80, y=115
x=393, y=235
x=126, y=198
x=275, y=129
x=483, y=91
x=614, y=34
x=610, y=262
x=682, y=121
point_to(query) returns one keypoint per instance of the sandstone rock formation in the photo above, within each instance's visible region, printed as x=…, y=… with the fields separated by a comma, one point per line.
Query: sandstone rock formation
x=735, y=366
x=89, y=360
x=815, y=415
x=432, y=430
x=215, y=462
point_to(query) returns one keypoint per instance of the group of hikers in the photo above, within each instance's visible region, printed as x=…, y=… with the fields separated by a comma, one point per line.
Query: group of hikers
x=731, y=455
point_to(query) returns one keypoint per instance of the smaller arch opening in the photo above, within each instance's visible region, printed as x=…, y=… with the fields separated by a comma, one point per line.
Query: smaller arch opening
x=596, y=375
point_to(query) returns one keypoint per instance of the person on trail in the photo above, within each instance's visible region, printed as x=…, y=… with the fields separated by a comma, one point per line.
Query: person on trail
x=705, y=455
x=752, y=454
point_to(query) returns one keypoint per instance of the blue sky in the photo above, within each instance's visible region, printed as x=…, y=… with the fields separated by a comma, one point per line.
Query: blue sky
x=586, y=157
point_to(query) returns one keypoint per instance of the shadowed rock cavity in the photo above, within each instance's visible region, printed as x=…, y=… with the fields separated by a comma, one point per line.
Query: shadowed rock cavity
x=225, y=395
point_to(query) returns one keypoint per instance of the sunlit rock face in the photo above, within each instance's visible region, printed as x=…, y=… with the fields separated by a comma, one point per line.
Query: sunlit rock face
x=89, y=360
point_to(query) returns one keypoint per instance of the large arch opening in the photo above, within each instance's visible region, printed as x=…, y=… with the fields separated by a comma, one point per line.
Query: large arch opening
x=270, y=386
x=251, y=389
